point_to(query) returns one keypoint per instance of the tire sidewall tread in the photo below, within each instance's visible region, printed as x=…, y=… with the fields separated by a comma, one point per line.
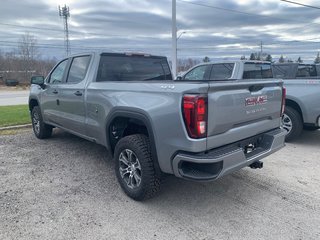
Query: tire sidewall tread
x=150, y=181
x=297, y=123
x=45, y=130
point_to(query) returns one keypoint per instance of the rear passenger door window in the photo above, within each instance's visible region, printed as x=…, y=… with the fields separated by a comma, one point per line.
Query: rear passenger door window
x=78, y=69
x=305, y=71
x=221, y=71
x=257, y=70
x=284, y=71
x=198, y=73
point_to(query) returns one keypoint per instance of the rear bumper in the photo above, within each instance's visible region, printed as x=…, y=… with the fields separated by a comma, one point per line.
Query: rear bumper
x=221, y=161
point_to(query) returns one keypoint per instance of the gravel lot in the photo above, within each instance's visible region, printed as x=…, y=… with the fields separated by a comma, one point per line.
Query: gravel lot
x=65, y=188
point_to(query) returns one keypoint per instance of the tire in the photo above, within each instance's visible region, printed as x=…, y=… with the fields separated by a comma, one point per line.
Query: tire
x=40, y=129
x=133, y=160
x=292, y=122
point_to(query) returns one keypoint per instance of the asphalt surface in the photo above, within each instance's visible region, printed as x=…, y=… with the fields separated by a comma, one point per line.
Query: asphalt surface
x=8, y=98
x=65, y=188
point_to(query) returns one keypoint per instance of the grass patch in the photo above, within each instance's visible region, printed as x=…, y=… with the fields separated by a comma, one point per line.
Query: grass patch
x=14, y=115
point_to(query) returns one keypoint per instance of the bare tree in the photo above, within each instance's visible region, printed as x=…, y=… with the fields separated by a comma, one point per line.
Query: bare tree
x=28, y=50
x=185, y=64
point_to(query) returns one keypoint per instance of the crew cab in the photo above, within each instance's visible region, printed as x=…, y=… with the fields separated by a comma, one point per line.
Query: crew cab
x=302, y=110
x=152, y=124
x=236, y=70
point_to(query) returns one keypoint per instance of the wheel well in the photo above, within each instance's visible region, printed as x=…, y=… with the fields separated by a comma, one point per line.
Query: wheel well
x=295, y=106
x=124, y=126
x=32, y=104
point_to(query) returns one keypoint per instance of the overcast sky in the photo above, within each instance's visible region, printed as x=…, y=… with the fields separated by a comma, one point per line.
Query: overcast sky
x=219, y=29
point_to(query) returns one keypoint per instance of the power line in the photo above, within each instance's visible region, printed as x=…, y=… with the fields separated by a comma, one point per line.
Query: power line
x=72, y=31
x=242, y=12
x=300, y=4
x=184, y=47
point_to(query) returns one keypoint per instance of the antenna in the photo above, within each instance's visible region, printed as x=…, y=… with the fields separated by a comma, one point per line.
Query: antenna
x=64, y=13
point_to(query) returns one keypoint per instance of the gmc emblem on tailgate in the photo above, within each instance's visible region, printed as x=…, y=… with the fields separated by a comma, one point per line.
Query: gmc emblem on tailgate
x=259, y=100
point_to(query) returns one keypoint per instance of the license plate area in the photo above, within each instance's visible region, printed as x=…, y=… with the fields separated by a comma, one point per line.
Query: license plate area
x=252, y=146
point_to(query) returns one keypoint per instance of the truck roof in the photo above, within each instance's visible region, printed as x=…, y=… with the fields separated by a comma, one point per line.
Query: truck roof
x=235, y=61
x=294, y=63
x=108, y=53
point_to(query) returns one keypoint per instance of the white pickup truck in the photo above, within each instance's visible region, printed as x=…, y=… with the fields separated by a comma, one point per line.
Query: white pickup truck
x=302, y=83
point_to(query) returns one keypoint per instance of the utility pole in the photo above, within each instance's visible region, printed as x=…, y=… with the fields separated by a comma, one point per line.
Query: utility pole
x=174, y=40
x=64, y=13
x=261, y=50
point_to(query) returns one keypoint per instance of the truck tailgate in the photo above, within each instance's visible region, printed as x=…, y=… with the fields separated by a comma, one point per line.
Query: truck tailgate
x=242, y=109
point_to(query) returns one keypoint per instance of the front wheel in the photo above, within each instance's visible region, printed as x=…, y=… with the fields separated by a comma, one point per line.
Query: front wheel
x=134, y=167
x=292, y=122
x=40, y=129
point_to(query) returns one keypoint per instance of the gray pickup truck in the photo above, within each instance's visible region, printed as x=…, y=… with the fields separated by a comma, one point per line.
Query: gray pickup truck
x=198, y=130
x=302, y=82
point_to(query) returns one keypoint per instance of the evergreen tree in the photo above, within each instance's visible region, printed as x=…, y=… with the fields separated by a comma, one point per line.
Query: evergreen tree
x=252, y=56
x=317, y=60
x=281, y=59
x=206, y=59
x=269, y=58
x=299, y=60
x=243, y=57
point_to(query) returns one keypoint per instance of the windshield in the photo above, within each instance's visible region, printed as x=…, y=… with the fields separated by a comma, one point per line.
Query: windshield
x=133, y=68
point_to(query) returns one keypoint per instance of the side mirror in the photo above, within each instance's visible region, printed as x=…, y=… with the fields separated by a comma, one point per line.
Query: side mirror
x=179, y=78
x=39, y=80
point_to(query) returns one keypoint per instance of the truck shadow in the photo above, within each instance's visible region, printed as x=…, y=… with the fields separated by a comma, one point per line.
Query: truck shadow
x=311, y=138
x=236, y=191
x=173, y=189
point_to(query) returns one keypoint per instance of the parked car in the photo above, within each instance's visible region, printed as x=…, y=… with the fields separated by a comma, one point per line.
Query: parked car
x=198, y=130
x=302, y=110
x=11, y=82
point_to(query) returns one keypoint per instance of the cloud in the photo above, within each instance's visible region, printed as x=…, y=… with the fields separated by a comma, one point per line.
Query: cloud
x=218, y=29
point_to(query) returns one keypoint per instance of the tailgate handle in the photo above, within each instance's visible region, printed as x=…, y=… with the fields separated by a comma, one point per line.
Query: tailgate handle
x=255, y=88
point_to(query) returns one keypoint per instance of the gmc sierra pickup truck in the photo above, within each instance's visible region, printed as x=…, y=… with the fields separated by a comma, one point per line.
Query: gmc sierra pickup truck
x=198, y=130
x=302, y=82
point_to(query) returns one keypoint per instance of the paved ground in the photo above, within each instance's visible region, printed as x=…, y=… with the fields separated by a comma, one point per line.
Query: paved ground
x=65, y=188
x=8, y=97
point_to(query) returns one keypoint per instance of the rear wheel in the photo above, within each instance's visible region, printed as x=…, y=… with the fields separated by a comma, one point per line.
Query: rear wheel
x=40, y=129
x=292, y=122
x=134, y=167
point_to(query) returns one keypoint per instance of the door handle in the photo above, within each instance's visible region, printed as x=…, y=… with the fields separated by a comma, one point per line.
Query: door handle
x=55, y=91
x=78, y=93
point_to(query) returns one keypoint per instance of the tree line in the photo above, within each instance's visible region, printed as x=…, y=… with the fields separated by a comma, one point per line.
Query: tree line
x=24, y=61
x=268, y=57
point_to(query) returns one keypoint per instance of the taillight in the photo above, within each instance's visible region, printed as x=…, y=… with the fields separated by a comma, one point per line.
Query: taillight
x=283, y=102
x=195, y=115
